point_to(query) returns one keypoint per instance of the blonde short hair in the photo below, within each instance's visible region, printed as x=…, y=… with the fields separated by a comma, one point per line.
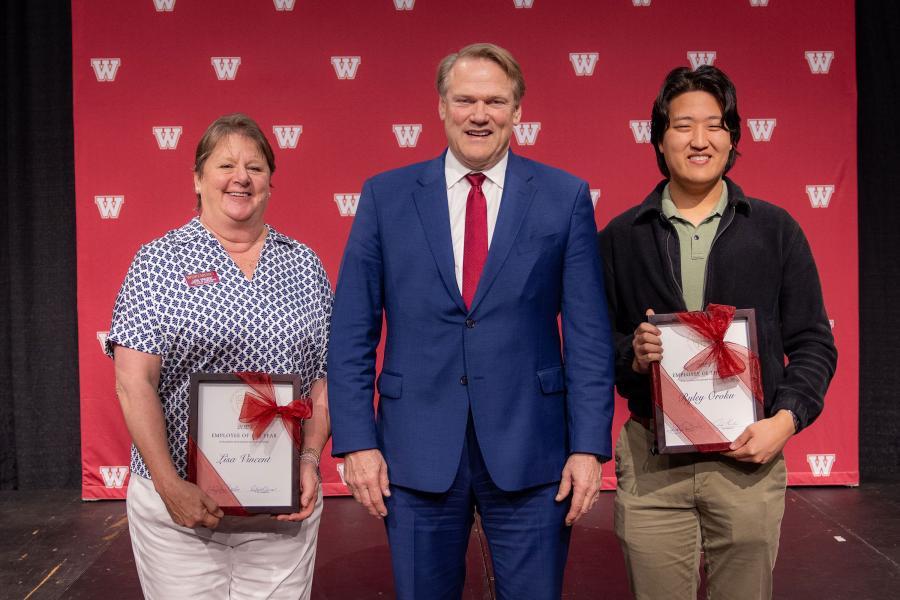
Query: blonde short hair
x=491, y=52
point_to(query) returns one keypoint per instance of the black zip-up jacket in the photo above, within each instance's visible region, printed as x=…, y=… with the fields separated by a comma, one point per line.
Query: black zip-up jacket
x=759, y=259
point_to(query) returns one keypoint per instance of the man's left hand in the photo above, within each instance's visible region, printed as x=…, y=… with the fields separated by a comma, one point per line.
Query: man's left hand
x=762, y=441
x=581, y=477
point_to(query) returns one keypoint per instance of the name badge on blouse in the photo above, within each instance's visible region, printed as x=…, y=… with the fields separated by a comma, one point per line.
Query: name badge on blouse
x=198, y=279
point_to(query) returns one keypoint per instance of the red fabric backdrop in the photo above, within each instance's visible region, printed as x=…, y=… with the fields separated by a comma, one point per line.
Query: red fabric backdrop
x=345, y=89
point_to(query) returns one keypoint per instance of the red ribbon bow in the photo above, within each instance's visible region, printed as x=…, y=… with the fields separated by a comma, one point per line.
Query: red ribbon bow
x=260, y=409
x=729, y=358
x=712, y=325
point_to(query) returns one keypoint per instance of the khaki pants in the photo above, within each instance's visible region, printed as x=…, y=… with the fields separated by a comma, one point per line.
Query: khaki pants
x=669, y=507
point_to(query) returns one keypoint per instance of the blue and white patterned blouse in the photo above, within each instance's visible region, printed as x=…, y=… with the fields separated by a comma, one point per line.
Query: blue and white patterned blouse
x=187, y=301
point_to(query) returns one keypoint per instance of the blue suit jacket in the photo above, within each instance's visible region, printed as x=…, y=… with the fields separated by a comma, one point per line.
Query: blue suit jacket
x=502, y=358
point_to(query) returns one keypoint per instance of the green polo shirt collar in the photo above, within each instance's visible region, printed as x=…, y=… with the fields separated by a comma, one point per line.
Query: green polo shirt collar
x=695, y=243
x=670, y=211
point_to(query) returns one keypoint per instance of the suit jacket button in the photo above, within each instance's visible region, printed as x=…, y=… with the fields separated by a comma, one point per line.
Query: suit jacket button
x=463, y=380
x=470, y=323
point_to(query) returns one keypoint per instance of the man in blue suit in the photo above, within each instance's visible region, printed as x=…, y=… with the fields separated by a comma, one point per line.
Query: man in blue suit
x=470, y=259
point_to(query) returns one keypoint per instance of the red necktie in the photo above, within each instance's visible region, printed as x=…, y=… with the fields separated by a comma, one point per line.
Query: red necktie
x=475, y=246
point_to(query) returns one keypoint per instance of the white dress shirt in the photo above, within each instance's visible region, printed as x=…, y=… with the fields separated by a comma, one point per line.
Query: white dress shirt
x=458, y=191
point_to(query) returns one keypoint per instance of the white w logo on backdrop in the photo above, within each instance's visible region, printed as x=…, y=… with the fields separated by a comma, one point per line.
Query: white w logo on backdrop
x=701, y=57
x=109, y=206
x=226, y=67
x=167, y=137
x=584, y=62
x=526, y=133
x=595, y=195
x=641, y=2
x=287, y=135
x=641, y=131
x=345, y=66
x=407, y=135
x=114, y=477
x=106, y=68
x=820, y=464
x=523, y=3
x=759, y=2
x=761, y=129
x=281, y=5
x=819, y=195
x=404, y=4
x=347, y=204
x=164, y=5
x=819, y=61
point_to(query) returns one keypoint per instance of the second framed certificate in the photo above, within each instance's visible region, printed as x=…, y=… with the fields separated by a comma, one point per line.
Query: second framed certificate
x=707, y=388
x=242, y=474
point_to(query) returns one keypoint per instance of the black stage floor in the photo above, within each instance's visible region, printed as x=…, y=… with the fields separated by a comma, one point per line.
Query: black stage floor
x=836, y=543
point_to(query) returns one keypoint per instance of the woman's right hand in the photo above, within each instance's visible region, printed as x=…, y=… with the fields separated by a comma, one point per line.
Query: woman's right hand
x=137, y=379
x=647, y=346
x=188, y=505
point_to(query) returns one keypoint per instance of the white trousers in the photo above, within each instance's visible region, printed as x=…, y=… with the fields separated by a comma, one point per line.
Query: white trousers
x=243, y=558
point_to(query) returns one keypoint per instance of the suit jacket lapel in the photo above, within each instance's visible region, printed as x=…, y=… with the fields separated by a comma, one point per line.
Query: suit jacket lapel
x=432, y=206
x=518, y=193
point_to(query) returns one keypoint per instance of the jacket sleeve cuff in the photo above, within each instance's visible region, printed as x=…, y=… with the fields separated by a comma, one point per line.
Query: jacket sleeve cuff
x=596, y=441
x=345, y=444
x=796, y=406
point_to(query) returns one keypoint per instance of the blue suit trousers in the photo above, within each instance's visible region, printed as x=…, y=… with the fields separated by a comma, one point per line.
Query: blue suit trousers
x=429, y=533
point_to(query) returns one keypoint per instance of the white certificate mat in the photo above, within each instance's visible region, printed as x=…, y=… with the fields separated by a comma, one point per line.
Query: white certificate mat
x=261, y=474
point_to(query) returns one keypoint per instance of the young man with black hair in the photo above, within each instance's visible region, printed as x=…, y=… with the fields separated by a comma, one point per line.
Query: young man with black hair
x=694, y=240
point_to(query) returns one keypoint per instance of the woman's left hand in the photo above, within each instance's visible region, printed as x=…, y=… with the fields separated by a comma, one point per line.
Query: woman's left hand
x=309, y=493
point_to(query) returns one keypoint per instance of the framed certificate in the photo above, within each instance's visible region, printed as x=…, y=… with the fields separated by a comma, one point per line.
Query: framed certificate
x=242, y=474
x=696, y=407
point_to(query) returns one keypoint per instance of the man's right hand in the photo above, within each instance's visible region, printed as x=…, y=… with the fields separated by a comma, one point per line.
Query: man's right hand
x=365, y=473
x=647, y=346
x=188, y=505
